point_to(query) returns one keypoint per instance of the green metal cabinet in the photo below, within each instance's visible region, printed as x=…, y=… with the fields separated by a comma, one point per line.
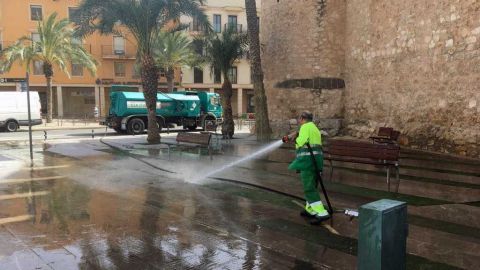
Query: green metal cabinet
x=382, y=236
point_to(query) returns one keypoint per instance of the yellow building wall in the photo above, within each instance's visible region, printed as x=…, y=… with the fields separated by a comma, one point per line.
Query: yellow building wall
x=15, y=22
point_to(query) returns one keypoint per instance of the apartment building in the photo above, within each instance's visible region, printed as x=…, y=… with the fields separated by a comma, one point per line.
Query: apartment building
x=78, y=95
x=221, y=14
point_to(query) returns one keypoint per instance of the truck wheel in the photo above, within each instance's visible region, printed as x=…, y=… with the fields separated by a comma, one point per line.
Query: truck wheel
x=11, y=126
x=135, y=126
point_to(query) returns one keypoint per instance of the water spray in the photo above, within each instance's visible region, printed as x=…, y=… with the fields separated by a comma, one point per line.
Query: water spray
x=264, y=150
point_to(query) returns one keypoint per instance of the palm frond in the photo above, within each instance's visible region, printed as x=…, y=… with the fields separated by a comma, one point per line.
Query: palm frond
x=55, y=47
x=144, y=19
x=222, y=50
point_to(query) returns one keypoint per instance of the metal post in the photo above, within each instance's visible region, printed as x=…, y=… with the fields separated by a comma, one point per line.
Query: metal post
x=382, y=238
x=27, y=78
x=93, y=134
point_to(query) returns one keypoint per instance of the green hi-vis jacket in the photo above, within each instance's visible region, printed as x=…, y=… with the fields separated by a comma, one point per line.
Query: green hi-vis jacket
x=309, y=133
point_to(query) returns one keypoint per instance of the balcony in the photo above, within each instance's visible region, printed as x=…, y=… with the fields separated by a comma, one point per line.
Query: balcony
x=109, y=52
x=236, y=27
x=6, y=44
x=195, y=28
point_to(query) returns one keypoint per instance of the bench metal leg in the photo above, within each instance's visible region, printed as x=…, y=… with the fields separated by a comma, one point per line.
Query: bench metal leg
x=388, y=177
x=331, y=170
x=398, y=177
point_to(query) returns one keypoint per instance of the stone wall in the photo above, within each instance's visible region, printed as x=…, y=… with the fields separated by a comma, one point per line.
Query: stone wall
x=414, y=65
x=303, y=59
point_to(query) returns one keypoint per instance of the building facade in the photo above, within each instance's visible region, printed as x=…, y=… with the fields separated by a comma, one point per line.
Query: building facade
x=78, y=95
x=362, y=64
x=221, y=14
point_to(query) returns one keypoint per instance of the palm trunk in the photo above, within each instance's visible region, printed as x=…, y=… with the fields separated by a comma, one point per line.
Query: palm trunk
x=170, y=74
x=150, y=86
x=262, y=123
x=228, y=127
x=48, y=71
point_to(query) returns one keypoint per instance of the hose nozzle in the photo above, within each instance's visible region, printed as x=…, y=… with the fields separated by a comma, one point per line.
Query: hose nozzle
x=290, y=137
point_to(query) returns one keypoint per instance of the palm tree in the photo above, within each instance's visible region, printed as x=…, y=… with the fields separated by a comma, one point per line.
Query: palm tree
x=143, y=19
x=221, y=52
x=262, y=123
x=56, y=46
x=173, y=50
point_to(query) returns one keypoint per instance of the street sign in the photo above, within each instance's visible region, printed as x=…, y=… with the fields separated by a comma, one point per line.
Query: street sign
x=12, y=80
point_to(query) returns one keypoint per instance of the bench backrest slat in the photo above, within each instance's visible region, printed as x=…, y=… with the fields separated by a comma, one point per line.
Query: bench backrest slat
x=385, y=131
x=395, y=134
x=363, y=150
x=194, y=138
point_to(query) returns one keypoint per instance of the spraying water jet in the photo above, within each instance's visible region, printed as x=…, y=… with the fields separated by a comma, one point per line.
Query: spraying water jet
x=262, y=151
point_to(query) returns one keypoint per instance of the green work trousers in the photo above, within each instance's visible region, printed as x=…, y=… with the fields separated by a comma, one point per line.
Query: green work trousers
x=310, y=186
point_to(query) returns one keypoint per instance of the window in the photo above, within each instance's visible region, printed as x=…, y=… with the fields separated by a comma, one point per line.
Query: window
x=119, y=69
x=38, y=67
x=118, y=45
x=232, y=22
x=36, y=13
x=196, y=25
x=36, y=38
x=232, y=74
x=250, y=104
x=198, y=47
x=197, y=75
x=77, y=70
x=217, y=76
x=217, y=23
x=73, y=14
x=232, y=19
x=89, y=100
x=135, y=72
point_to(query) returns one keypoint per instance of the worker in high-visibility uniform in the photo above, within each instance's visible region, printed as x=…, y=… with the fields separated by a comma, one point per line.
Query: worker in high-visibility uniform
x=309, y=134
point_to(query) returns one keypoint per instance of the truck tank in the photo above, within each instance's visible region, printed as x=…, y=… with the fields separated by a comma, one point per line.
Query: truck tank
x=168, y=105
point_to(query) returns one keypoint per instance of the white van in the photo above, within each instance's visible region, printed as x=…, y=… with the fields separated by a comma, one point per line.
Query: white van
x=14, y=110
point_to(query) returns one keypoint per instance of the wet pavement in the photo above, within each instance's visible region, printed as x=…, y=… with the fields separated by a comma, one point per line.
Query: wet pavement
x=121, y=204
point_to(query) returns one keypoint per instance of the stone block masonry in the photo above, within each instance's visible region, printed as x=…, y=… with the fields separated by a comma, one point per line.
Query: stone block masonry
x=412, y=65
x=304, y=60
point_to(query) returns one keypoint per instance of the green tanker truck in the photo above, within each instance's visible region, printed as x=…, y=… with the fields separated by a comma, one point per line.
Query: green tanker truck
x=128, y=111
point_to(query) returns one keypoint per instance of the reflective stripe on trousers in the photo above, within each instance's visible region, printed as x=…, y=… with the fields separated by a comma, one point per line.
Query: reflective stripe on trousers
x=315, y=152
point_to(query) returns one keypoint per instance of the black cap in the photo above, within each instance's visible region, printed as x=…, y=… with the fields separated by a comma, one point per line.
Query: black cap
x=307, y=116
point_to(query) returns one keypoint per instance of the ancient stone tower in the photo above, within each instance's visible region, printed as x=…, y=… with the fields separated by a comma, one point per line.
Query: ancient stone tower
x=304, y=60
x=413, y=65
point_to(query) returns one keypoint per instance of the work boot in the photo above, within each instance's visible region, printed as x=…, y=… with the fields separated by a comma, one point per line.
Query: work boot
x=308, y=212
x=317, y=220
x=321, y=214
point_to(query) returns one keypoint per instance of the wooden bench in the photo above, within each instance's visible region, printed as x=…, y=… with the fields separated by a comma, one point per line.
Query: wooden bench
x=386, y=155
x=201, y=139
x=386, y=135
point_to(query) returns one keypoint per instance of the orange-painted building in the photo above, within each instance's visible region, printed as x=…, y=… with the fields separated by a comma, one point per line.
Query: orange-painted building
x=78, y=95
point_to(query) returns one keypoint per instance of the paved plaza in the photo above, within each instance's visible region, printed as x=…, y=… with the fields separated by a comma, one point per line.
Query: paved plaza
x=118, y=203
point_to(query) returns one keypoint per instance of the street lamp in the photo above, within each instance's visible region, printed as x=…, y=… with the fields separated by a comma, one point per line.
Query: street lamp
x=27, y=82
x=98, y=82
